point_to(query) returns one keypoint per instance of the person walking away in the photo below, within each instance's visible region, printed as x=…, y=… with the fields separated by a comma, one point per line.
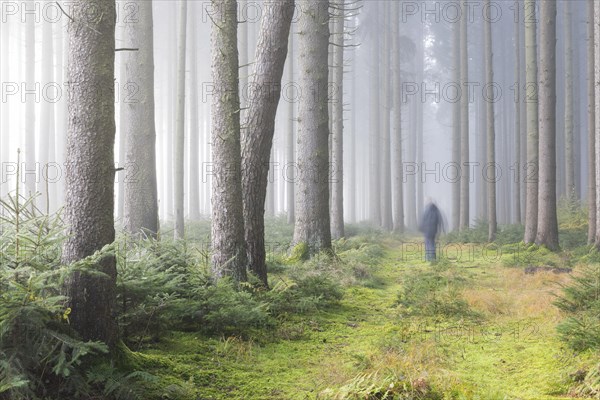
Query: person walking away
x=431, y=224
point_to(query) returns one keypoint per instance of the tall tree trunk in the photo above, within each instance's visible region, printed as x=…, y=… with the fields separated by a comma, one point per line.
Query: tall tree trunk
x=90, y=170
x=194, y=131
x=419, y=121
x=312, y=212
x=47, y=134
x=517, y=120
x=291, y=137
x=464, y=124
x=178, y=148
x=532, y=99
x=228, y=245
x=597, y=113
x=374, y=126
x=141, y=198
x=29, y=172
x=491, y=132
x=337, y=138
x=398, y=206
x=257, y=139
x=456, y=115
x=591, y=125
x=524, y=118
x=569, y=142
x=547, y=220
x=4, y=108
x=385, y=148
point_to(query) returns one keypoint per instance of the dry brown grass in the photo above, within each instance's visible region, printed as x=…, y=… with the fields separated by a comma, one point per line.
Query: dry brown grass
x=518, y=295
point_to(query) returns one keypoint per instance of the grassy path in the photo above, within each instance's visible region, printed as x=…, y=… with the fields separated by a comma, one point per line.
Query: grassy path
x=509, y=352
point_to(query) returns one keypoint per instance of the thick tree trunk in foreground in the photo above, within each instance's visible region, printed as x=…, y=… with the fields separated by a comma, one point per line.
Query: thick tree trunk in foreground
x=491, y=132
x=141, y=199
x=228, y=245
x=547, y=233
x=257, y=138
x=291, y=136
x=532, y=98
x=591, y=125
x=90, y=170
x=312, y=211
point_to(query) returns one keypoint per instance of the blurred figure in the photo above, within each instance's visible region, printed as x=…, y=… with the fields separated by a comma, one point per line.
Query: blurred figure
x=432, y=223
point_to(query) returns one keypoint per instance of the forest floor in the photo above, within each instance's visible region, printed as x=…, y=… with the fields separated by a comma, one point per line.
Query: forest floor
x=478, y=324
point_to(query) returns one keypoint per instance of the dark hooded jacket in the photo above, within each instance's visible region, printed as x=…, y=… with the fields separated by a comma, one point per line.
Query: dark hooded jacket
x=431, y=221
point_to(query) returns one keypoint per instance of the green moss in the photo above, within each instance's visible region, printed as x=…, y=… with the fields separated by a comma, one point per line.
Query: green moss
x=299, y=253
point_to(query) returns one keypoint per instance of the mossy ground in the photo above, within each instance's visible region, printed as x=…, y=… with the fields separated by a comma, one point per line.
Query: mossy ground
x=507, y=348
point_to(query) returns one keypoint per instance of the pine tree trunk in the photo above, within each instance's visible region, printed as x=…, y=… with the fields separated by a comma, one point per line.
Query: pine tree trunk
x=374, y=128
x=337, y=138
x=547, y=220
x=569, y=118
x=312, y=212
x=291, y=137
x=257, y=139
x=47, y=134
x=397, y=121
x=194, y=131
x=532, y=99
x=29, y=172
x=491, y=133
x=178, y=147
x=591, y=125
x=456, y=115
x=597, y=113
x=228, y=246
x=141, y=199
x=517, y=121
x=90, y=170
x=464, y=124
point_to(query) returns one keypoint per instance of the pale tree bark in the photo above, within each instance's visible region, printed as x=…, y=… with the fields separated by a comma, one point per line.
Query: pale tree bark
x=597, y=113
x=532, y=98
x=419, y=121
x=398, y=205
x=523, y=129
x=591, y=125
x=569, y=120
x=374, y=127
x=312, y=211
x=291, y=137
x=140, y=214
x=29, y=172
x=491, y=132
x=517, y=121
x=4, y=109
x=456, y=116
x=547, y=233
x=178, y=147
x=337, y=138
x=228, y=246
x=194, y=131
x=464, y=123
x=47, y=134
x=385, y=147
x=257, y=138
x=90, y=170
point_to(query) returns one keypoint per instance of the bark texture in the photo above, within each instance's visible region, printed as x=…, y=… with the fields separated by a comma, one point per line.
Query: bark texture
x=228, y=245
x=337, y=139
x=532, y=98
x=491, y=132
x=312, y=212
x=90, y=173
x=257, y=138
x=140, y=214
x=591, y=125
x=547, y=233
x=178, y=148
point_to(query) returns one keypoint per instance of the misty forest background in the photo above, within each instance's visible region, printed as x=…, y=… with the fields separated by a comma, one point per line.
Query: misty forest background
x=221, y=199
